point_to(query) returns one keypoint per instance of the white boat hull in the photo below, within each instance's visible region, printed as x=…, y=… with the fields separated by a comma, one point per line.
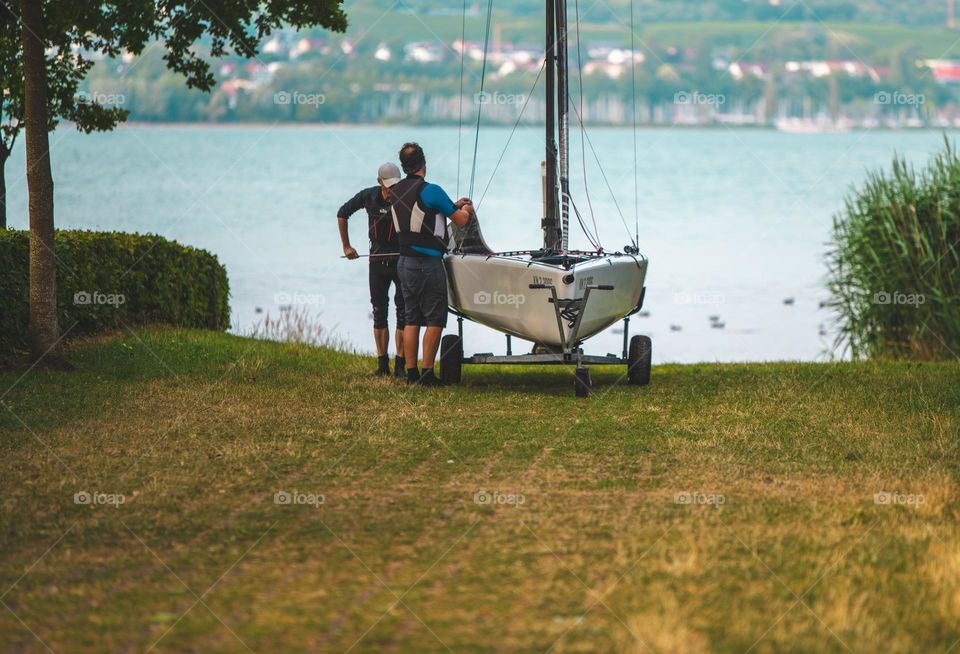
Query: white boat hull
x=495, y=291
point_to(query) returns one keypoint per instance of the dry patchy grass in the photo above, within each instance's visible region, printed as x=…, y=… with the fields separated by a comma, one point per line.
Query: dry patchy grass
x=592, y=550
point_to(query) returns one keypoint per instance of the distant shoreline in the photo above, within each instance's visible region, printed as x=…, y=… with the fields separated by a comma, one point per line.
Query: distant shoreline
x=346, y=126
x=276, y=125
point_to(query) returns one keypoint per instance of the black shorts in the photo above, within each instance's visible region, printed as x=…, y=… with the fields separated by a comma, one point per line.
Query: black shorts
x=424, y=284
x=383, y=272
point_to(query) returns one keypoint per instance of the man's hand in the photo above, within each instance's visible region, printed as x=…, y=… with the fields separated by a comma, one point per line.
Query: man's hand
x=466, y=204
x=350, y=253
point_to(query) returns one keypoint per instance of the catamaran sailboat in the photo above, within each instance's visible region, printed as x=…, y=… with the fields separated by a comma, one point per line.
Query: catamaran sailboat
x=553, y=296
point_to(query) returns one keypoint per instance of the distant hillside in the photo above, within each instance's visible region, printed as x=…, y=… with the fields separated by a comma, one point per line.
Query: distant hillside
x=913, y=12
x=400, y=63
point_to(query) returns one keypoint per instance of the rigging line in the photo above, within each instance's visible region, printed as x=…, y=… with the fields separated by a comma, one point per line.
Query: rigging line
x=596, y=246
x=594, y=240
x=510, y=138
x=463, y=38
x=483, y=77
x=583, y=148
x=633, y=98
x=563, y=115
x=604, y=174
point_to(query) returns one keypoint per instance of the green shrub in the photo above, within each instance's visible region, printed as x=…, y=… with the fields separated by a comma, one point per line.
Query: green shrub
x=106, y=280
x=895, y=265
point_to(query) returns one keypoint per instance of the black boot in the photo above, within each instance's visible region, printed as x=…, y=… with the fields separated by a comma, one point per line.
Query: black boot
x=413, y=375
x=399, y=367
x=429, y=379
x=383, y=366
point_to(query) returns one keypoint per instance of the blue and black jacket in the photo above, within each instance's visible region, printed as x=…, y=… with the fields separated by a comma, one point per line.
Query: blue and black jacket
x=420, y=211
x=383, y=235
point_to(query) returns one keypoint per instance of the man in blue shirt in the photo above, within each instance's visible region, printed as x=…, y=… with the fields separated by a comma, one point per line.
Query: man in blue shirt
x=420, y=212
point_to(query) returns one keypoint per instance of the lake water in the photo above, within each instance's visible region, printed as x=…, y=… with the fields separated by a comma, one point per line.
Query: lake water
x=733, y=221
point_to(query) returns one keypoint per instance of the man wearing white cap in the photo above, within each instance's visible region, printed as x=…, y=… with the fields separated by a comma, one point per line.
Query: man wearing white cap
x=384, y=253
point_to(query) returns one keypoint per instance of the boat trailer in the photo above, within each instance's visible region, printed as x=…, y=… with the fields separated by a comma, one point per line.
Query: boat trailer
x=636, y=355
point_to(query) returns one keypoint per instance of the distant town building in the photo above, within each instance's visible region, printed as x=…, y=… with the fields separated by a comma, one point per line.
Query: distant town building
x=826, y=68
x=424, y=52
x=945, y=71
x=309, y=45
x=740, y=69
x=383, y=53
x=275, y=46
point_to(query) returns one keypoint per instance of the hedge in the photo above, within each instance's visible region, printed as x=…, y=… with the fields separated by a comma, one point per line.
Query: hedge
x=106, y=280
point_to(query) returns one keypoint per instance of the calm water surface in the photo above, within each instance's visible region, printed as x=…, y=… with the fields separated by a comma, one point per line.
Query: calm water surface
x=733, y=221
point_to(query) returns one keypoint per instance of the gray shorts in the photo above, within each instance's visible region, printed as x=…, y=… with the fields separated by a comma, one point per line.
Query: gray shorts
x=423, y=281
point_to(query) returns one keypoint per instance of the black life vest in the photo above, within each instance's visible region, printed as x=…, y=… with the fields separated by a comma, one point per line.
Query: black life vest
x=417, y=225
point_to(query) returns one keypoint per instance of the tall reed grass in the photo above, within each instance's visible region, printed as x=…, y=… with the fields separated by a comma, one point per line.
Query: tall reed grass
x=297, y=326
x=895, y=266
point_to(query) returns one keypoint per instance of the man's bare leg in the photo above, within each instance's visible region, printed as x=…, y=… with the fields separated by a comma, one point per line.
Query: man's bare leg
x=381, y=336
x=400, y=362
x=431, y=343
x=411, y=346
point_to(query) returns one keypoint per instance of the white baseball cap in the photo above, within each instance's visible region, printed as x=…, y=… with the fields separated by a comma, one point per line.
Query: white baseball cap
x=389, y=174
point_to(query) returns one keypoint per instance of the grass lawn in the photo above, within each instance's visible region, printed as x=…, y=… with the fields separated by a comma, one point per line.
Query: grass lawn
x=590, y=543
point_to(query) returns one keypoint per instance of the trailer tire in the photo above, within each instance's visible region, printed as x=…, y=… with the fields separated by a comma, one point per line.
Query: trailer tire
x=639, y=360
x=582, y=382
x=451, y=359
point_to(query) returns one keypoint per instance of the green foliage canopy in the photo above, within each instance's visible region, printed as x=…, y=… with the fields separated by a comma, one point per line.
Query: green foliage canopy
x=76, y=30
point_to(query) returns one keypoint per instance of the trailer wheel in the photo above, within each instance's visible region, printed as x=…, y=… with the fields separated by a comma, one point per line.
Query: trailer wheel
x=451, y=359
x=639, y=360
x=582, y=382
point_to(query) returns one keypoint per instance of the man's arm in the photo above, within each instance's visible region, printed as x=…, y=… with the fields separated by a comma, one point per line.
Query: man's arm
x=459, y=213
x=464, y=212
x=348, y=251
x=352, y=206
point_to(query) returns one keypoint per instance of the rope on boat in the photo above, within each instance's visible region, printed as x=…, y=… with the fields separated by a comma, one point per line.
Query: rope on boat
x=594, y=242
x=633, y=98
x=463, y=38
x=595, y=237
x=483, y=77
x=516, y=124
x=602, y=172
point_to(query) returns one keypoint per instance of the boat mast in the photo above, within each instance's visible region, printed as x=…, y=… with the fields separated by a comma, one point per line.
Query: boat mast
x=563, y=108
x=551, y=231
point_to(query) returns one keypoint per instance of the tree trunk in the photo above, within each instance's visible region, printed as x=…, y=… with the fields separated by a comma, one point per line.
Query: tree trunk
x=3, y=186
x=43, y=267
